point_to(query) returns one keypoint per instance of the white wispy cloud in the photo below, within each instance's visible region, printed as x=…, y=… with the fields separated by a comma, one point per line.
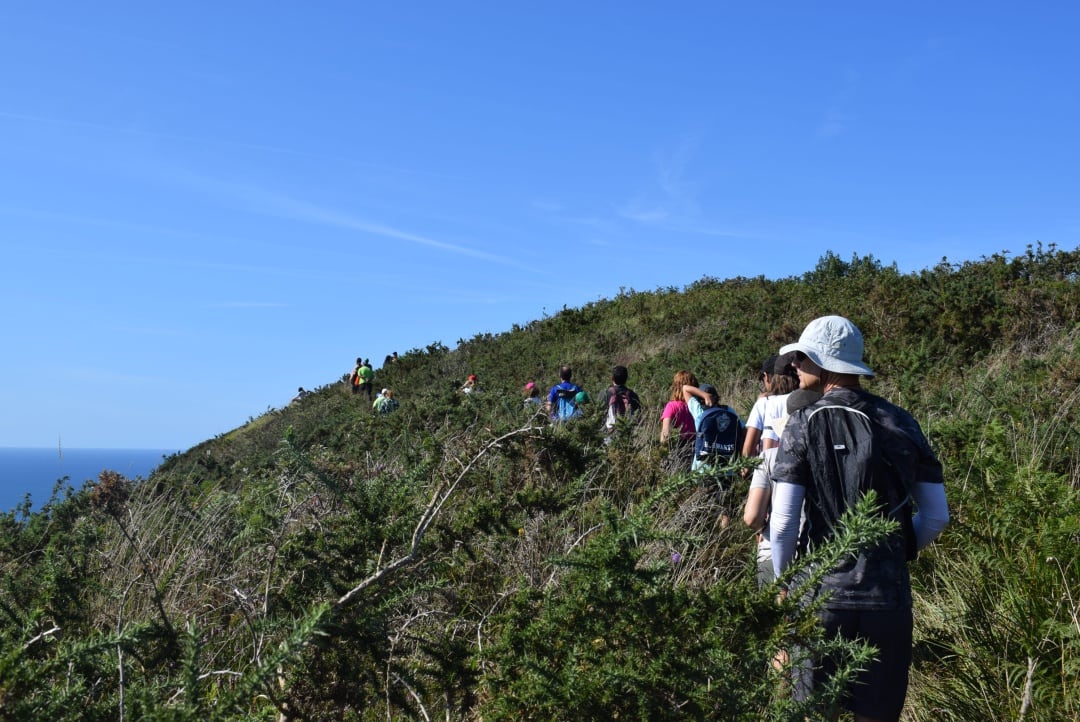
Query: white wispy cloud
x=88, y=375
x=671, y=202
x=248, y=304
x=279, y=205
x=832, y=125
x=672, y=195
x=836, y=118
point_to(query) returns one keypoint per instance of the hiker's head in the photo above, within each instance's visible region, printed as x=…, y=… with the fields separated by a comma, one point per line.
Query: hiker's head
x=565, y=373
x=359, y=362
x=530, y=390
x=711, y=391
x=779, y=375
x=767, y=367
x=619, y=375
x=829, y=347
x=682, y=378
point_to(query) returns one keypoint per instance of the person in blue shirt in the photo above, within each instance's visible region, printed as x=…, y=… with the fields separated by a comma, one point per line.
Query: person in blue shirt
x=561, y=403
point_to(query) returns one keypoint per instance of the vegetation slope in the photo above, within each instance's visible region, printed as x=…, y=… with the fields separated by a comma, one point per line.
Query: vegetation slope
x=463, y=558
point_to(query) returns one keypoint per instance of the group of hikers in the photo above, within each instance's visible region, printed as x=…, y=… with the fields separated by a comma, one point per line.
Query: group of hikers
x=362, y=381
x=822, y=443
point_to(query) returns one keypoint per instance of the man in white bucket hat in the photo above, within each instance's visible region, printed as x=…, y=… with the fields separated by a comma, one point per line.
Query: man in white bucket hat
x=831, y=453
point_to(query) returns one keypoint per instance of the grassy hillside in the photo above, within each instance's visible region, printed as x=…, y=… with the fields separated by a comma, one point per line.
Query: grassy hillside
x=464, y=559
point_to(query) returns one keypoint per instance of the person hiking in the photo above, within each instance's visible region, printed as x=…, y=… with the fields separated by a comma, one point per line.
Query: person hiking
x=470, y=384
x=701, y=402
x=385, y=402
x=831, y=453
x=300, y=394
x=759, y=497
x=532, y=396
x=676, y=422
x=620, y=401
x=718, y=431
x=354, y=376
x=561, y=404
x=778, y=378
x=367, y=376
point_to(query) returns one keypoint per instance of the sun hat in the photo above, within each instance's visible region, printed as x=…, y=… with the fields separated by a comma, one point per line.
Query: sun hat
x=833, y=343
x=530, y=385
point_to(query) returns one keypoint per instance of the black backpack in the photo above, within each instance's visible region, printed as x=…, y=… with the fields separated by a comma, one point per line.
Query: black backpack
x=619, y=404
x=717, y=441
x=856, y=454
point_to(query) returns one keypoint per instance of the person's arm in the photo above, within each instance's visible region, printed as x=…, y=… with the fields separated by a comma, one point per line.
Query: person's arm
x=768, y=443
x=787, y=504
x=932, y=512
x=757, y=499
x=750, y=446
x=688, y=391
x=665, y=429
x=757, y=507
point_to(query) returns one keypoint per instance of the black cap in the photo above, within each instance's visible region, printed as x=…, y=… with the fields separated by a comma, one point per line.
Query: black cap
x=782, y=365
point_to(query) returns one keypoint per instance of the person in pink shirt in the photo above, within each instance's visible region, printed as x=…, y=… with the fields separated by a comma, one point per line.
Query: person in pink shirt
x=677, y=423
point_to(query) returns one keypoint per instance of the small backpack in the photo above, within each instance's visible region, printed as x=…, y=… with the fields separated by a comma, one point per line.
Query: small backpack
x=565, y=404
x=618, y=405
x=717, y=441
x=858, y=454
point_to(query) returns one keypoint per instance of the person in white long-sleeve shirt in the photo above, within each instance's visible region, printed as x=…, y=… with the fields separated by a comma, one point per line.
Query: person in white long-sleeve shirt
x=759, y=496
x=822, y=464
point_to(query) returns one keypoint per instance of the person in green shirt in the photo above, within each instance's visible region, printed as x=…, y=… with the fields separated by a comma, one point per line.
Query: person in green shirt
x=366, y=376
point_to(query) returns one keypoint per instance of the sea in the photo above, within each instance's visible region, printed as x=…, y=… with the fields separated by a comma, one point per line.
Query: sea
x=36, y=471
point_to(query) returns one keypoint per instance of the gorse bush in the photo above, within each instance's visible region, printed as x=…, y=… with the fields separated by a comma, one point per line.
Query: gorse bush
x=464, y=558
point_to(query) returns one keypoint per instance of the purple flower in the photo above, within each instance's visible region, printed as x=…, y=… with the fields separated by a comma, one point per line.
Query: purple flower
x=676, y=557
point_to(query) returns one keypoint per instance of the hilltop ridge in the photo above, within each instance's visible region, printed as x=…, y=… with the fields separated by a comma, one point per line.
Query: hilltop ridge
x=463, y=557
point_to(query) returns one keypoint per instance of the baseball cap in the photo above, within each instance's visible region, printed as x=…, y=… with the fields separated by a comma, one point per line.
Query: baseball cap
x=833, y=343
x=782, y=365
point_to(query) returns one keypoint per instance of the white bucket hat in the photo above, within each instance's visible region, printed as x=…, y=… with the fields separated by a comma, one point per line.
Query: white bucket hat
x=833, y=343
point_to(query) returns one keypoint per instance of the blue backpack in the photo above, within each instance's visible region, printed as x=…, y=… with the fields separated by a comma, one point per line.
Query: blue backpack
x=717, y=441
x=565, y=406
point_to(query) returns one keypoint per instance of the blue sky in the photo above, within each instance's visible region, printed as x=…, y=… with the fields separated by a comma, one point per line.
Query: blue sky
x=205, y=205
